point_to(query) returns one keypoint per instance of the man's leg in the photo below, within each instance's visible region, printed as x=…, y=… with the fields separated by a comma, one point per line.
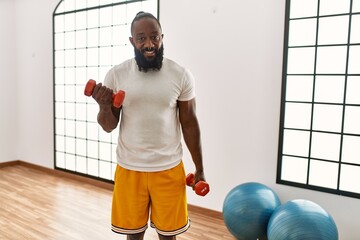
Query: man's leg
x=139, y=236
x=162, y=237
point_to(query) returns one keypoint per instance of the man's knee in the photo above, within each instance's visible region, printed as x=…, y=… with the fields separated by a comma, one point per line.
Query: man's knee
x=138, y=236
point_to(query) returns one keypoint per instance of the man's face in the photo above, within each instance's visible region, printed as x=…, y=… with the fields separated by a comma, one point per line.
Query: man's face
x=147, y=41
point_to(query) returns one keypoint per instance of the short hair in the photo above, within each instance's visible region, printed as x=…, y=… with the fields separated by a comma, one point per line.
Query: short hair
x=141, y=15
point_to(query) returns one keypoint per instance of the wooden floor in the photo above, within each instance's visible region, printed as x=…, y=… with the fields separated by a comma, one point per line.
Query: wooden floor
x=38, y=205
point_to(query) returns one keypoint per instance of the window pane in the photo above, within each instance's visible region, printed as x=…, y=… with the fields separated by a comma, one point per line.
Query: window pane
x=328, y=7
x=353, y=90
x=355, y=29
x=301, y=60
x=81, y=165
x=302, y=32
x=327, y=117
x=333, y=30
x=329, y=89
x=105, y=151
x=105, y=170
x=331, y=60
x=325, y=146
x=81, y=147
x=354, y=60
x=350, y=178
x=294, y=169
x=323, y=174
x=351, y=149
x=70, y=162
x=298, y=115
x=296, y=143
x=352, y=120
x=356, y=6
x=299, y=88
x=303, y=8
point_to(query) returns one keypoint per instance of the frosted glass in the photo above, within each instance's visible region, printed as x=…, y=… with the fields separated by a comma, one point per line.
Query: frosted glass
x=93, y=167
x=327, y=117
x=333, y=30
x=70, y=40
x=92, y=150
x=354, y=60
x=60, y=160
x=352, y=120
x=80, y=57
x=351, y=149
x=93, y=18
x=81, y=147
x=93, y=37
x=69, y=111
x=323, y=174
x=325, y=146
x=328, y=7
x=105, y=16
x=59, y=93
x=69, y=94
x=294, y=169
x=303, y=8
x=298, y=115
x=81, y=39
x=299, y=88
x=81, y=112
x=105, y=170
x=350, y=178
x=81, y=20
x=59, y=112
x=69, y=75
x=93, y=131
x=356, y=6
x=329, y=89
x=70, y=162
x=355, y=29
x=105, y=56
x=105, y=36
x=59, y=41
x=352, y=90
x=60, y=146
x=69, y=58
x=59, y=23
x=70, y=145
x=59, y=127
x=70, y=128
x=331, y=60
x=302, y=32
x=301, y=60
x=296, y=143
x=93, y=57
x=81, y=164
x=70, y=21
x=81, y=129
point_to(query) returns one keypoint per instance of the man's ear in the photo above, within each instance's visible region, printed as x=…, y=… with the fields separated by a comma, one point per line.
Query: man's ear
x=131, y=39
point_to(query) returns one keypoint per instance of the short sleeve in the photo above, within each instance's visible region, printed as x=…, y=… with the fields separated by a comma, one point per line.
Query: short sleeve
x=188, y=87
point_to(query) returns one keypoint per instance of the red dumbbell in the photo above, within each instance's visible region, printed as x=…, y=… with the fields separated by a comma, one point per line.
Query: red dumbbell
x=118, y=98
x=201, y=188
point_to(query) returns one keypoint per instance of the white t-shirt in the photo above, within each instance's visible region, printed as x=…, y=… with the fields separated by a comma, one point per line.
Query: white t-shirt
x=150, y=134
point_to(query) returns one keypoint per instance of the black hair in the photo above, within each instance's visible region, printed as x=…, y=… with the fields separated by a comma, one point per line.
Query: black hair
x=141, y=15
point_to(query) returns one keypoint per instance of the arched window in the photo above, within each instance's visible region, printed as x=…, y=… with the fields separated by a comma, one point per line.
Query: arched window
x=89, y=37
x=320, y=127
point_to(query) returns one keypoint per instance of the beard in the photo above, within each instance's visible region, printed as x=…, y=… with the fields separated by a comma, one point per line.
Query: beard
x=154, y=63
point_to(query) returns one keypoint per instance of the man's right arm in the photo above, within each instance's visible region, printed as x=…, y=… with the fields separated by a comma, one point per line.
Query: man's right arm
x=108, y=116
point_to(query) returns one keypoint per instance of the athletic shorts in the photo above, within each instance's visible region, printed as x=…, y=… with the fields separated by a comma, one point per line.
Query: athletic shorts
x=158, y=195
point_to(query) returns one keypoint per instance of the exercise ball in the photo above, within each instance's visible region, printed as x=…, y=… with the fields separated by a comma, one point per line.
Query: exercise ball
x=301, y=220
x=247, y=209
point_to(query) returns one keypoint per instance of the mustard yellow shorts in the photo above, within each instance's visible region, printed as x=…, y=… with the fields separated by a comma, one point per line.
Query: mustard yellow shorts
x=160, y=195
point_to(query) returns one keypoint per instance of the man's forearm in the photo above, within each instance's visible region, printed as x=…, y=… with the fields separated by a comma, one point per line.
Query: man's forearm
x=107, y=118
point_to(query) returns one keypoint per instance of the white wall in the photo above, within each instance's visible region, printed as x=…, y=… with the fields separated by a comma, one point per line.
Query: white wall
x=234, y=49
x=8, y=80
x=35, y=81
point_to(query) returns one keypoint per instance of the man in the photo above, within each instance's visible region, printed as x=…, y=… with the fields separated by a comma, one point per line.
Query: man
x=159, y=103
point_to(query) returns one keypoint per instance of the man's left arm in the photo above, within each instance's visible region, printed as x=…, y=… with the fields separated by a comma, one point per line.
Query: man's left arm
x=191, y=132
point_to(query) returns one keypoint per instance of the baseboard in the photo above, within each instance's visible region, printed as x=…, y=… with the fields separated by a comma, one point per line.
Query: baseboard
x=98, y=183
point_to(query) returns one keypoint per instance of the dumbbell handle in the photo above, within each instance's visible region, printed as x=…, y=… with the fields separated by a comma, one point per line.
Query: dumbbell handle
x=201, y=188
x=117, y=98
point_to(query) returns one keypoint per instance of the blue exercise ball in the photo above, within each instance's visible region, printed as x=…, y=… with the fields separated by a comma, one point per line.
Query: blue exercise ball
x=301, y=220
x=247, y=209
